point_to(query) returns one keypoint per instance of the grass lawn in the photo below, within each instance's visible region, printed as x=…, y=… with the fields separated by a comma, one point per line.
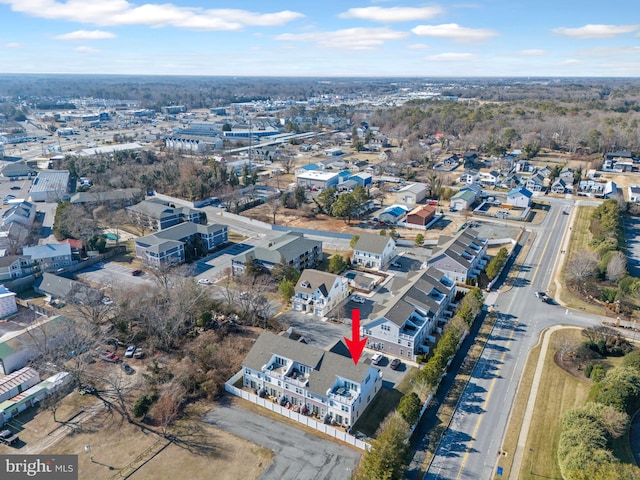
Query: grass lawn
x=558, y=391
x=384, y=403
x=580, y=238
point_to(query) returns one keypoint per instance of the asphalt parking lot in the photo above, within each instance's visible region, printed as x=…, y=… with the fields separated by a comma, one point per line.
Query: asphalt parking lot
x=109, y=273
x=298, y=455
x=314, y=330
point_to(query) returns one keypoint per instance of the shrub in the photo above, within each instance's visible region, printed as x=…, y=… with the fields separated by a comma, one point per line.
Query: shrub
x=409, y=408
x=587, y=370
x=143, y=404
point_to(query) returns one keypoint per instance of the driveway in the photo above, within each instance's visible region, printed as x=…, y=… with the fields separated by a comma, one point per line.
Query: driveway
x=109, y=273
x=298, y=455
x=314, y=330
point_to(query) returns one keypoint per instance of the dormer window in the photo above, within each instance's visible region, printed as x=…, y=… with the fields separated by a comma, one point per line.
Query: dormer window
x=306, y=284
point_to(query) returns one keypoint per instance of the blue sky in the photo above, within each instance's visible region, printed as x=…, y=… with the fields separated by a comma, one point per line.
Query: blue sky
x=321, y=38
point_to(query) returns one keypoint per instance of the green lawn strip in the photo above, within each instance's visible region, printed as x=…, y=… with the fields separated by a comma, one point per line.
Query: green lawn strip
x=558, y=391
x=385, y=402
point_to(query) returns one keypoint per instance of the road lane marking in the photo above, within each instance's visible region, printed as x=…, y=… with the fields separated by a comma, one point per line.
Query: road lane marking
x=484, y=405
x=544, y=250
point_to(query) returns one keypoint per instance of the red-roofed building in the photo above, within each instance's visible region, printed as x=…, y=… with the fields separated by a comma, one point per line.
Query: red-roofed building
x=421, y=215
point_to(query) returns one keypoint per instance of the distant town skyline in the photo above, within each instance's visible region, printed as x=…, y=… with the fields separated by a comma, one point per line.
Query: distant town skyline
x=375, y=38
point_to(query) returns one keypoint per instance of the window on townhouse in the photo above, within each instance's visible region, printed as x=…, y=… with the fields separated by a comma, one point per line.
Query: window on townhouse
x=345, y=408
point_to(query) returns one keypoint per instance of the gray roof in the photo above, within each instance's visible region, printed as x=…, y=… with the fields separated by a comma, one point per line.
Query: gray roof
x=289, y=246
x=315, y=279
x=152, y=209
x=326, y=365
x=51, y=180
x=17, y=170
x=109, y=196
x=174, y=236
x=455, y=247
x=11, y=259
x=368, y=242
x=422, y=290
x=67, y=289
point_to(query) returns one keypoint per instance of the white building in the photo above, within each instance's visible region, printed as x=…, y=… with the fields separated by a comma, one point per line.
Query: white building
x=319, y=292
x=50, y=186
x=310, y=380
x=374, y=251
x=519, y=197
x=7, y=302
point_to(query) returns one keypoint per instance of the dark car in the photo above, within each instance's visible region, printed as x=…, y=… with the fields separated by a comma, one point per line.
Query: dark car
x=395, y=364
x=127, y=369
x=8, y=438
x=136, y=272
x=15, y=187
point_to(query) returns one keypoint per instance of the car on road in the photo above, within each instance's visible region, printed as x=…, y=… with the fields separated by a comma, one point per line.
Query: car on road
x=127, y=369
x=376, y=359
x=395, y=364
x=130, y=351
x=16, y=187
x=136, y=272
x=205, y=281
x=357, y=299
x=8, y=438
x=543, y=296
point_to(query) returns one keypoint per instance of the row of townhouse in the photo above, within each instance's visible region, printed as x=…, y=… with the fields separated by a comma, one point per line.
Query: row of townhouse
x=402, y=325
x=168, y=246
x=462, y=257
x=316, y=382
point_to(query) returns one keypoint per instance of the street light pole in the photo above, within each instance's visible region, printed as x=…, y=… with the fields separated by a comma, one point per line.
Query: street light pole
x=87, y=448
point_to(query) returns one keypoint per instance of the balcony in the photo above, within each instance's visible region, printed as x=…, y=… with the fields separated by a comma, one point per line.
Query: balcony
x=295, y=377
x=342, y=395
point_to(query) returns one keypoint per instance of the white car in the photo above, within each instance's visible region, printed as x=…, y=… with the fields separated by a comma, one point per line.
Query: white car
x=204, y=281
x=396, y=264
x=357, y=299
x=376, y=359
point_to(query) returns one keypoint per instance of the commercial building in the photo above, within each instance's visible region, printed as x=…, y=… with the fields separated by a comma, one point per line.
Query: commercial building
x=50, y=186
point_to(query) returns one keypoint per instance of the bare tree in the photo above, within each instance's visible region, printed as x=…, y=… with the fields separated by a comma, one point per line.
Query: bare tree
x=287, y=161
x=275, y=205
x=617, y=266
x=167, y=408
x=582, y=266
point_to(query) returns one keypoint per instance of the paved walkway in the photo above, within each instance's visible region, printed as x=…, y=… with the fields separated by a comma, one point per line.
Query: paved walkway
x=528, y=414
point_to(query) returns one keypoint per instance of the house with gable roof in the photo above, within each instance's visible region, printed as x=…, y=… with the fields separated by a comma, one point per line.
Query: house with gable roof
x=319, y=292
x=519, y=197
x=403, y=323
x=374, y=251
x=310, y=380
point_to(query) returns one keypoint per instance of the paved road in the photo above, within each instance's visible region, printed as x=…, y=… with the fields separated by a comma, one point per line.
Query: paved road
x=632, y=232
x=298, y=455
x=469, y=449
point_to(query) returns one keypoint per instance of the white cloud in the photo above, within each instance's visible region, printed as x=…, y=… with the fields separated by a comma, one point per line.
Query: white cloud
x=454, y=32
x=451, y=57
x=609, y=51
x=570, y=61
x=350, y=38
x=12, y=45
x=596, y=31
x=86, y=35
x=532, y=52
x=121, y=12
x=417, y=46
x=84, y=49
x=392, y=14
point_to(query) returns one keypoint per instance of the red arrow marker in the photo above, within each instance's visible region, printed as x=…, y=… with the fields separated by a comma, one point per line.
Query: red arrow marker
x=355, y=344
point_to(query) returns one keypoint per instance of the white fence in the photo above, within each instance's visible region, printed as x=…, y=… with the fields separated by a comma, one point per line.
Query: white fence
x=303, y=419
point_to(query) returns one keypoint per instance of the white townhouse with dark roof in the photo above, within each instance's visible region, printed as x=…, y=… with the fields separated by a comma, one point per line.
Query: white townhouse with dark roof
x=403, y=323
x=319, y=292
x=374, y=251
x=310, y=380
x=462, y=257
